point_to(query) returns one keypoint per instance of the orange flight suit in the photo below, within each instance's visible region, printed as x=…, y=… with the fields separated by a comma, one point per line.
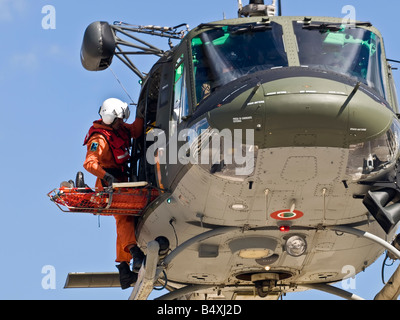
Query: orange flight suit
x=99, y=156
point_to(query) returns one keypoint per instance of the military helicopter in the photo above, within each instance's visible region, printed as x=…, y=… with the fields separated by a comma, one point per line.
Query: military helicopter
x=274, y=142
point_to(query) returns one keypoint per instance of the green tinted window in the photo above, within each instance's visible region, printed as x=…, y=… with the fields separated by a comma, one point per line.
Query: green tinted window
x=354, y=52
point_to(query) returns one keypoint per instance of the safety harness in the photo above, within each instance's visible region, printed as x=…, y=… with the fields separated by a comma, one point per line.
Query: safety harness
x=118, y=140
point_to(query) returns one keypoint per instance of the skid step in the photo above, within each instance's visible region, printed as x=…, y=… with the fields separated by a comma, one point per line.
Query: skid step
x=92, y=280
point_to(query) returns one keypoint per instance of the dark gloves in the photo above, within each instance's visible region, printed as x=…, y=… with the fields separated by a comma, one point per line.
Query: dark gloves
x=109, y=179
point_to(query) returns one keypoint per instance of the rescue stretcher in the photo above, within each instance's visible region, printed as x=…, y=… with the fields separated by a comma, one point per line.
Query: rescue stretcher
x=129, y=198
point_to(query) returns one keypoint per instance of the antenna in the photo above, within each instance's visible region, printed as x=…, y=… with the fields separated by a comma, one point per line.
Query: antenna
x=256, y=8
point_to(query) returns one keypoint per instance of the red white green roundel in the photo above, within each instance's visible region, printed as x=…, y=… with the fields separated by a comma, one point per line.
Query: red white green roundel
x=287, y=215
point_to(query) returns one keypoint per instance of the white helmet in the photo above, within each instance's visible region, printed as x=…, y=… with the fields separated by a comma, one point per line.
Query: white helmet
x=113, y=108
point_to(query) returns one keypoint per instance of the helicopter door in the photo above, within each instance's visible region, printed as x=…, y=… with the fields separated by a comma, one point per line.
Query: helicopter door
x=173, y=110
x=148, y=101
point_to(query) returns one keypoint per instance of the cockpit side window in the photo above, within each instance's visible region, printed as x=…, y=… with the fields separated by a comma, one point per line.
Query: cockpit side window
x=354, y=52
x=181, y=103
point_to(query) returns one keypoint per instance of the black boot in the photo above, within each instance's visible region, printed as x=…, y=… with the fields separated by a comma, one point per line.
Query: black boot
x=79, y=180
x=80, y=183
x=138, y=257
x=126, y=276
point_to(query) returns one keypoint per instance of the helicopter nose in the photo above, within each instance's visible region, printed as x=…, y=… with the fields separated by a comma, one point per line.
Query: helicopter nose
x=306, y=112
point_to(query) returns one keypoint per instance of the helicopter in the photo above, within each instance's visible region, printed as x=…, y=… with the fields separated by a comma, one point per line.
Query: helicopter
x=274, y=143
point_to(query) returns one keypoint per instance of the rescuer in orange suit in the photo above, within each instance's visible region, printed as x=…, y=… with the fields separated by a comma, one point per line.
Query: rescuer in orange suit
x=108, y=142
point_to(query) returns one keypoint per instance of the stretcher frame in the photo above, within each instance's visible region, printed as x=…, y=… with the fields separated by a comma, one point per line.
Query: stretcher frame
x=56, y=196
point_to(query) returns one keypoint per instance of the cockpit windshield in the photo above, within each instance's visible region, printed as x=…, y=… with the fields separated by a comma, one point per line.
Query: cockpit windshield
x=225, y=53
x=354, y=52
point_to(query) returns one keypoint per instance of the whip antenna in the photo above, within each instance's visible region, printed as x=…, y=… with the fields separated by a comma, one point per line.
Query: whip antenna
x=122, y=86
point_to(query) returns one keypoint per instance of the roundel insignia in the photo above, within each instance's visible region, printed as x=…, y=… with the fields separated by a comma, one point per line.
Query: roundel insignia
x=287, y=215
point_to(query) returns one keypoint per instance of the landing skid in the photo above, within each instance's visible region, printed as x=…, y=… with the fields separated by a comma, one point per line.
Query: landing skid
x=333, y=290
x=147, y=274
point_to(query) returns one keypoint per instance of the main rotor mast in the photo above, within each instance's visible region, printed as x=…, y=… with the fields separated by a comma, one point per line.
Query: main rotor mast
x=257, y=8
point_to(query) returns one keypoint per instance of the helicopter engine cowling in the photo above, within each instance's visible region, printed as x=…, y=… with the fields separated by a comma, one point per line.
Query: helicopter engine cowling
x=98, y=46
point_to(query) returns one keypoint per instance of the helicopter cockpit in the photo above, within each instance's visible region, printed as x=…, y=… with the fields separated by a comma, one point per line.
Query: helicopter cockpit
x=224, y=53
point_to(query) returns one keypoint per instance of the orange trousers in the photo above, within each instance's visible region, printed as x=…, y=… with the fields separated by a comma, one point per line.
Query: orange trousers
x=126, y=237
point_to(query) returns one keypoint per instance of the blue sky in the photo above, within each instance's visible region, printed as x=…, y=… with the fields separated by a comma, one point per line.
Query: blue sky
x=48, y=102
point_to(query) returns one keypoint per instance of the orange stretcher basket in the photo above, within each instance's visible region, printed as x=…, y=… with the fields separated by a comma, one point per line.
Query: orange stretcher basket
x=122, y=198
